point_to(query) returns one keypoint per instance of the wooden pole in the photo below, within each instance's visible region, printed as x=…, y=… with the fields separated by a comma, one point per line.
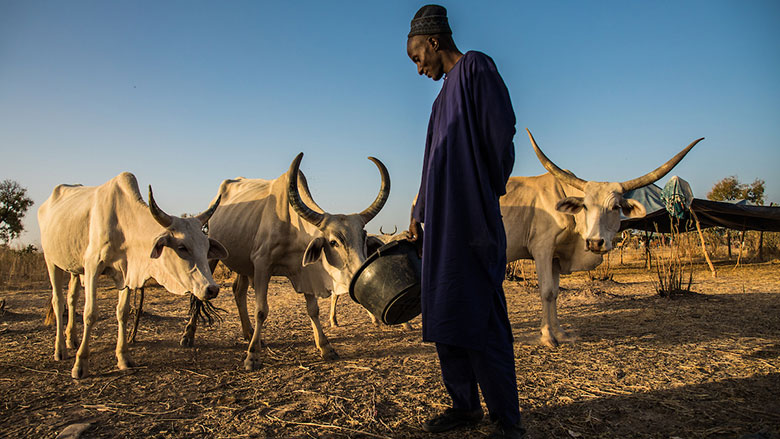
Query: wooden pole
x=728, y=241
x=741, y=246
x=703, y=247
x=761, y=242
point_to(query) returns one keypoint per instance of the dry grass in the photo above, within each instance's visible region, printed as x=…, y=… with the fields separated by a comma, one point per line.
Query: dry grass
x=699, y=366
x=21, y=268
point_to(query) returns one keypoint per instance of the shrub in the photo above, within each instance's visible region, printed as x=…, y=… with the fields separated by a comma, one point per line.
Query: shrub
x=671, y=270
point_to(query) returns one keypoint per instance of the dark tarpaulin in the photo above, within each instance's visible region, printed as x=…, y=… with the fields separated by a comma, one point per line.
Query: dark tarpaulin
x=469, y=155
x=711, y=214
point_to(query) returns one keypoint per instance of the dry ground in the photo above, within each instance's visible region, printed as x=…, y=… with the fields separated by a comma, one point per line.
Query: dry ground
x=700, y=366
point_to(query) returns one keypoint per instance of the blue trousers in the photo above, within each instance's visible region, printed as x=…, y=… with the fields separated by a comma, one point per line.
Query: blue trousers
x=492, y=369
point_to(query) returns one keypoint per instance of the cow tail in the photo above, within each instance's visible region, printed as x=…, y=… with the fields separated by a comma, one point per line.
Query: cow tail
x=49, y=315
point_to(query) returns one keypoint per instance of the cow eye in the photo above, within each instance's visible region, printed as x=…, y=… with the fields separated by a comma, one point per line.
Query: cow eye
x=182, y=248
x=333, y=243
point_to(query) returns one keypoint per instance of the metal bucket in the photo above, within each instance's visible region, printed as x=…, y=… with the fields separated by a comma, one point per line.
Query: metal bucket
x=388, y=283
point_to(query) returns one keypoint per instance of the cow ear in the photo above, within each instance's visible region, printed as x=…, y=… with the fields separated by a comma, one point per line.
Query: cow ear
x=216, y=250
x=570, y=205
x=314, y=250
x=161, y=242
x=372, y=245
x=632, y=208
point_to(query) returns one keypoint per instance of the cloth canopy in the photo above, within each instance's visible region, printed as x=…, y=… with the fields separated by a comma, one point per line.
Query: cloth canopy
x=736, y=216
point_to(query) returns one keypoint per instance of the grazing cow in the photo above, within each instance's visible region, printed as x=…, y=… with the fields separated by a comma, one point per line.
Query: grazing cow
x=108, y=229
x=566, y=224
x=273, y=228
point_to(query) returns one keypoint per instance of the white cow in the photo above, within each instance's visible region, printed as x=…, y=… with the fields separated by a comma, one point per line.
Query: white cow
x=108, y=229
x=566, y=224
x=271, y=228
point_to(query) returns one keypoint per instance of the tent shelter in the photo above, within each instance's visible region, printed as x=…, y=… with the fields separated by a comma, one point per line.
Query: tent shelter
x=737, y=216
x=675, y=204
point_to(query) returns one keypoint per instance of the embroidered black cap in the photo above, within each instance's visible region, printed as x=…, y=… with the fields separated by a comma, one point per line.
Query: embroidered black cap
x=430, y=20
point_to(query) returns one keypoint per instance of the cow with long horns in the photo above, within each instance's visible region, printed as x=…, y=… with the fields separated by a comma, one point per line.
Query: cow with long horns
x=274, y=228
x=108, y=229
x=566, y=224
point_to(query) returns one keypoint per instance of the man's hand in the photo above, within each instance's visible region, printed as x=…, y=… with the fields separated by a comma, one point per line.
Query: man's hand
x=415, y=234
x=415, y=231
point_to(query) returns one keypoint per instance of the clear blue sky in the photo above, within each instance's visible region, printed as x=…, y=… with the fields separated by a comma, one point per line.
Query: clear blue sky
x=185, y=94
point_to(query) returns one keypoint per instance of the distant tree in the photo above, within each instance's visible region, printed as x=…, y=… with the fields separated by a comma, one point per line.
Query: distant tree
x=727, y=189
x=13, y=206
x=754, y=192
x=730, y=189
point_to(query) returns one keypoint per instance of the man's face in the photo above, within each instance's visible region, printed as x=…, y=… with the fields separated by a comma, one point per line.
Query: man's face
x=423, y=51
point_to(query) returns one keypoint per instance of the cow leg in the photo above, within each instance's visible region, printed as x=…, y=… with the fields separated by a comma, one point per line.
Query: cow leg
x=548, y=292
x=313, y=309
x=560, y=335
x=253, y=359
x=138, y=311
x=56, y=277
x=373, y=318
x=73, y=297
x=240, y=287
x=334, y=299
x=188, y=338
x=90, y=317
x=123, y=360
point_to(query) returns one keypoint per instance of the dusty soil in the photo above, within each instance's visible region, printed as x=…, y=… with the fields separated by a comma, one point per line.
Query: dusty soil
x=703, y=365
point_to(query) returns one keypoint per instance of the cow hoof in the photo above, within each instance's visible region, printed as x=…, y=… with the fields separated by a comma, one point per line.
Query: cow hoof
x=548, y=341
x=334, y=324
x=79, y=370
x=71, y=344
x=251, y=364
x=60, y=355
x=248, y=336
x=187, y=342
x=125, y=364
x=329, y=354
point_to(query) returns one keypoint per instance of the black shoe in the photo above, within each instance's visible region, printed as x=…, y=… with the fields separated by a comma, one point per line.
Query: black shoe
x=452, y=418
x=508, y=432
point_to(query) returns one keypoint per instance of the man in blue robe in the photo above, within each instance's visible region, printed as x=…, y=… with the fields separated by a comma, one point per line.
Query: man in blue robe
x=469, y=155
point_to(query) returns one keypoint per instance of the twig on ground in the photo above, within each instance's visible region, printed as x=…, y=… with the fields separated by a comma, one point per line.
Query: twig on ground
x=39, y=371
x=324, y=394
x=336, y=427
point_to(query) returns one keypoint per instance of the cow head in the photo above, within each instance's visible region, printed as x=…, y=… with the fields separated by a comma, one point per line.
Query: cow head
x=602, y=202
x=342, y=242
x=180, y=254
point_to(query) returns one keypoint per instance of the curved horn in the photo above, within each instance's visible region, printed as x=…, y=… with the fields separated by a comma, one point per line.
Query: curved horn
x=206, y=214
x=560, y=174
x=295, y=198
x=395, y=230
x=161, y=217
x=384, y=193
x=659, y=172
